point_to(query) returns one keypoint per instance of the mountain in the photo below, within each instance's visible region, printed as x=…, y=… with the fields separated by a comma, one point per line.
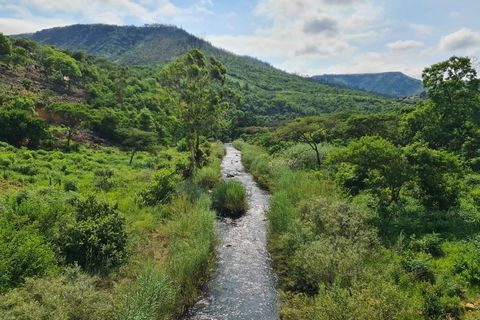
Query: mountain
x=393, y=84
x=268, y=92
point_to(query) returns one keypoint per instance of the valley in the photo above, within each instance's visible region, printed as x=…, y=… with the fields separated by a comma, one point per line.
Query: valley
x=146, y=174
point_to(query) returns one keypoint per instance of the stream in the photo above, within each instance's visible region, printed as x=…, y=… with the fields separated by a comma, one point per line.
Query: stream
x=243, y=287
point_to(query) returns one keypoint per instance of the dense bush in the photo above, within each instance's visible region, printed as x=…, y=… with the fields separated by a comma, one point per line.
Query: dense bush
x=96, y=240
x=23, y=254
x=230, y=198
x=208, y=176
x=162, y=189
x=71, y=295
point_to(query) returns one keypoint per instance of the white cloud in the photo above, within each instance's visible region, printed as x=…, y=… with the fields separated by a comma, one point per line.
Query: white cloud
x=462, y=39
x=33, y=15
x=16, y=26
x=402, y=45
x=421, y=29
x=300, y=32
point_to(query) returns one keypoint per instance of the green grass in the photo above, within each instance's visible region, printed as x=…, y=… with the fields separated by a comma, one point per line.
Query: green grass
x=170, y=245
x=230, y=198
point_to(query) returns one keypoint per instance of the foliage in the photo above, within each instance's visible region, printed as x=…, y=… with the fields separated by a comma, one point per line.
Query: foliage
x=20, y=129
x=198, y=82
x=5, y=45
x=22, y=254
x=72, y=115
x=97, y=239
x=136, y=140
x=230, y=198
x=162, y=189
x=306, y=130
x=70, y=295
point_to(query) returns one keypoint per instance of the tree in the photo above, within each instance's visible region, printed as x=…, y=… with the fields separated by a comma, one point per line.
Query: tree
x=372, y=163
x=71, y=115
x=305, y=130
x=451, y=118
x=19, y=128
x=60, y=66
x=198, y=84
x=134, y=140
x=5, y=46
x=436, y=172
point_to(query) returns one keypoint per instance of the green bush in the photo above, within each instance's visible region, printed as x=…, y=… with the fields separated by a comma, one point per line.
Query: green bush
x=97, y=240
x=419, y=268
x=103, y=179
x=70, y=185
x=23, y=253
x=230, y=198
x=429, y=243
x=208, y=177
x=71, y=295
x=162, y=189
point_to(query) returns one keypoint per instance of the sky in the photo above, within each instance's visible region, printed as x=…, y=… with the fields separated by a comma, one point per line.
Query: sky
x=306, y=37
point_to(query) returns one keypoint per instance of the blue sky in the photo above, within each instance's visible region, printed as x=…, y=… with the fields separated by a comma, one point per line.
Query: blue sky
x=301, y=36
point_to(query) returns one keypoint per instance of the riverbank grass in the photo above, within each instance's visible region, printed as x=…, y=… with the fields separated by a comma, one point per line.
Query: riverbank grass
x=230, y=199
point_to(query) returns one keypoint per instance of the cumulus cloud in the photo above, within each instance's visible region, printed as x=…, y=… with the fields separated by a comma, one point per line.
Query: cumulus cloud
x=32, y=15
x=321, y=25
x=310, y=29
x=402, y=45
x=462, y=39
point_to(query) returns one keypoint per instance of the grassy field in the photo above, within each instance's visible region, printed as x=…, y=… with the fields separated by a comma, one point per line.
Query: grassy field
x=157, y=255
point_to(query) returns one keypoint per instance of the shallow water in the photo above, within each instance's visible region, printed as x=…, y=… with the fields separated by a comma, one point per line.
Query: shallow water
x=243, y=286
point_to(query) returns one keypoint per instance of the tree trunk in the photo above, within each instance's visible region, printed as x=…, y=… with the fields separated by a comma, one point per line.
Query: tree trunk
x=314, y=147
x=131, y=157
x=69, y=137
x=197, y=148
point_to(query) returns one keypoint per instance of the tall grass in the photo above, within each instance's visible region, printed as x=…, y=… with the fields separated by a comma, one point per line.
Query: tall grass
x=230, y=198
x=151, y=297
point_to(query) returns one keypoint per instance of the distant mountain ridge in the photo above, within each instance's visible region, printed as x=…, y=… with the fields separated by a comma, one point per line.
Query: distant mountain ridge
x=393, y=84
x=268, y=92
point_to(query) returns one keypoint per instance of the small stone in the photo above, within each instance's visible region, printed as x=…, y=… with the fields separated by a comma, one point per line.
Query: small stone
x=470, y=306
x=229, y=175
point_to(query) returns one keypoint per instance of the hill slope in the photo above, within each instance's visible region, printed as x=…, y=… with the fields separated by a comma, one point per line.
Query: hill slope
x=268, y=91
x=394, y=84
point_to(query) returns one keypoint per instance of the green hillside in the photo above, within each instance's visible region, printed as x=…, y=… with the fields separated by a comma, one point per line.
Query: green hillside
x=393, y=84
x=268, y=92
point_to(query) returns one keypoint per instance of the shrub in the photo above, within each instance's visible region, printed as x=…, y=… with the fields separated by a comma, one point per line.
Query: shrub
x=70, y=185
x=230, y=198
x=419, y=268
x=208, y=177
x=97, y=240
x=23, y=253
x=71, y=295
x=103, y=179
x=162, y=189
x=430, y=243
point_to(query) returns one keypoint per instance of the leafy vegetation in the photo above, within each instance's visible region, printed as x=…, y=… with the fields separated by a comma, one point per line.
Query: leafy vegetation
x=85, y=231
x=268, y=94
x=380, y=229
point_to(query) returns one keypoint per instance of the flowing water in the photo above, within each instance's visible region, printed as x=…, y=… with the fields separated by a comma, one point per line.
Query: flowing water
x=243, y=286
